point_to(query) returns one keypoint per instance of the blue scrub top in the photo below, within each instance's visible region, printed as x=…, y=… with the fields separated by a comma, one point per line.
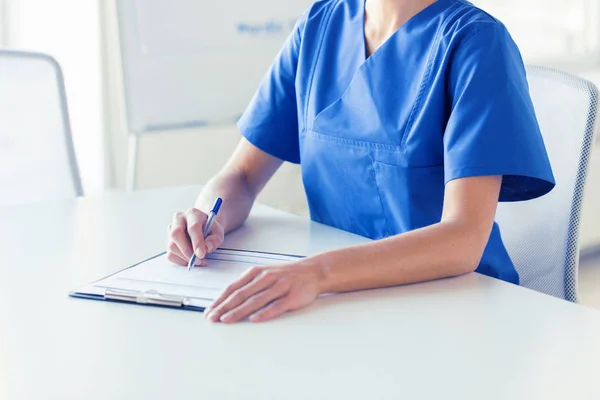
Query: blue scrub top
x=445, y=97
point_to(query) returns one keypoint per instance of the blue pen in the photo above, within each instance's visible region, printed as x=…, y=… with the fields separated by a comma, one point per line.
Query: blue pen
x=211, y=218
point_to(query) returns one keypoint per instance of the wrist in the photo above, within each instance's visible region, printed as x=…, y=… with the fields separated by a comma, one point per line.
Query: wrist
x=205, y=208
x=221, y=220
x=320, y=266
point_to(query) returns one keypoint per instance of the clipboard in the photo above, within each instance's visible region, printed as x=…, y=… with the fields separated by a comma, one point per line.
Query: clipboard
x=158, y=282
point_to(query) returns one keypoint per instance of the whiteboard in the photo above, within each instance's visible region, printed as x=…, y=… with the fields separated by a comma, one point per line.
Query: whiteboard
x=190, y=63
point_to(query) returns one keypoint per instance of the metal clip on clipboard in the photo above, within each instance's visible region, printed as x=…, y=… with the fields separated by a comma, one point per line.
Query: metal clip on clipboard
x=147, y=297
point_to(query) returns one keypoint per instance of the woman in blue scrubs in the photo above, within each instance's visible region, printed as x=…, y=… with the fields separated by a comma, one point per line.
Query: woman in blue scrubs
x=411, y=119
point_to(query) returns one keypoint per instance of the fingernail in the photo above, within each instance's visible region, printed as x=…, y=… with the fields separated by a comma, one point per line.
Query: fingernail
x=227, y=317
x=254, y=317
x=199, y=253
x=209, y=247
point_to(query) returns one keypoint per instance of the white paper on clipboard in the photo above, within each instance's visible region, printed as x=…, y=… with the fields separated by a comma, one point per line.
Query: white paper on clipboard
x=160, y=282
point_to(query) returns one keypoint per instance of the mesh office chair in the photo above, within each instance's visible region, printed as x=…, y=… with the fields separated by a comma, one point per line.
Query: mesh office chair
x=541, y=235
x=37, y=161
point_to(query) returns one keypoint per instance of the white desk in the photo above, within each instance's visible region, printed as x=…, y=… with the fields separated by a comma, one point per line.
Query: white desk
x=465, y=338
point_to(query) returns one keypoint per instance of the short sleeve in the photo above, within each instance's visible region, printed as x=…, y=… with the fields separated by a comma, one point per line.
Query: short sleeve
x=270, y=121
x=492, y=128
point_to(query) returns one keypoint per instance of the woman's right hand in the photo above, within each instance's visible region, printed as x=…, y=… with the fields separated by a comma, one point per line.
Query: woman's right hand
x=185, y=237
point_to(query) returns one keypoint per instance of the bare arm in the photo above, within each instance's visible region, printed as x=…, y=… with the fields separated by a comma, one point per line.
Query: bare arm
x=238, y=183
x=452, y=247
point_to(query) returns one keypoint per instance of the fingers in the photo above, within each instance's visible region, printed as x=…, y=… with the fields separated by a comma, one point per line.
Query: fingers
x=176, y=259
x=247, y=277
x=195, y=223
x=185, y=237
x=178, y=235
x=174, y=255
x=212, y=243
x=255, y=303
x=216, y=237
x=249, y=298
x=173, y=249
x=273, y=310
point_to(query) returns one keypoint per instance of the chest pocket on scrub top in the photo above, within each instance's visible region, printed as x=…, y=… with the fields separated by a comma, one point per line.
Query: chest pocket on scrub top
x=356, y=174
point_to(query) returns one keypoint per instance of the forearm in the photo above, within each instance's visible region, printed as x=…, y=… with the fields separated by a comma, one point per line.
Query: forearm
x=237, y=195
x=452, y=247
x=438, y=251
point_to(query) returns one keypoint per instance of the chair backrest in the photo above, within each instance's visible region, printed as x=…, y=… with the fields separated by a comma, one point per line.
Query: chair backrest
x=541, y=235
x=37, y=161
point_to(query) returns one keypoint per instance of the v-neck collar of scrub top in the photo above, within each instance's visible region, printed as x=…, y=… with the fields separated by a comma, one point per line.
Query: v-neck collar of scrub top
x=357, y=76
x=426, y=13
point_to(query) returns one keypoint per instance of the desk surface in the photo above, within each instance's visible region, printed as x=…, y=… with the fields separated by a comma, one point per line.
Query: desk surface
x=464, y=338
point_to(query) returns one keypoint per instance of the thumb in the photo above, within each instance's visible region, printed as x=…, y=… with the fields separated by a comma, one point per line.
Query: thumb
x=212, y=243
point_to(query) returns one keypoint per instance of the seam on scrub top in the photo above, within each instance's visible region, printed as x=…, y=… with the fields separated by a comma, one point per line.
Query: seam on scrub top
x=475, y=33
x=408, y=166
x=386, y=232
x=359, y=143
x=426, y=78
x=458, y=173
x=322, y=29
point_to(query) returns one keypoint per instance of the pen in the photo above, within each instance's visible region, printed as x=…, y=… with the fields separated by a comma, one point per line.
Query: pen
x=211, y=218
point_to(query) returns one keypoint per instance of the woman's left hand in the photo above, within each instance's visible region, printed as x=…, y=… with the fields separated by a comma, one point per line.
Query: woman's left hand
x=263, y=293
